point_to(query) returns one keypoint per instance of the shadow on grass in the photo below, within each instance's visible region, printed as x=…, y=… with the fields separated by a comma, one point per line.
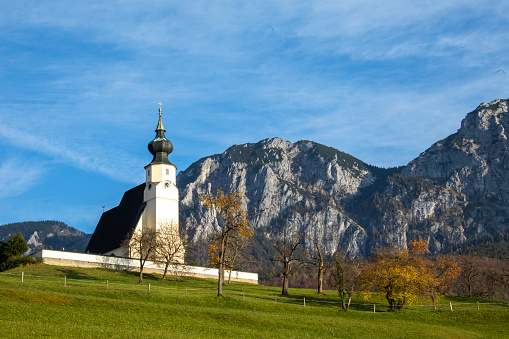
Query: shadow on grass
x=70, y=273
x=146, y=276
x=321, y=302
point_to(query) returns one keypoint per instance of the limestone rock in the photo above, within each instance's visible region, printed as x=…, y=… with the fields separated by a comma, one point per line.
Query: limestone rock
x=454, y=192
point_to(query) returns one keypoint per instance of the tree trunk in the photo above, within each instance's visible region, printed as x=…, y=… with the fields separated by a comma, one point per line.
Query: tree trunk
x=320, y=277
x=141, y=270
x=166, y=270
x=342, y=295
x=320, y=268
x=286, y=275
x=220, y=280
x=391, y=301
x=469, y=286
x=350, y=293
x=285, y=285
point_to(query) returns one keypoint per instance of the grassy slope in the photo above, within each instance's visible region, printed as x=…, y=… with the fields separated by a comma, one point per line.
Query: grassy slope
x=43, y=307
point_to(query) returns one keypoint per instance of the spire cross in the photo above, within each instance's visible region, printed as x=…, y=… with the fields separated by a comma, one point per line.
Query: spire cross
x=160, y=104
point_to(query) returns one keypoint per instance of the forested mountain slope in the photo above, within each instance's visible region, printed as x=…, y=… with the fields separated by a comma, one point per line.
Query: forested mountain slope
x=43, y=234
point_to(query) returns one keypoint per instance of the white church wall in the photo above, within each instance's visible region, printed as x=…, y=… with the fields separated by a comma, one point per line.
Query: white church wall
x=167, y=210
x=61, y=258
x=149, y=215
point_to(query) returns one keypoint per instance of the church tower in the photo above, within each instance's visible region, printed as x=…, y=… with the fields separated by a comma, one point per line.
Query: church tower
x=153, y=205
x=161, y=194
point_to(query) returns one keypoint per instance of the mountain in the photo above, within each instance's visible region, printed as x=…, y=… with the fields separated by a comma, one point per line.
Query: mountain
x=47, y=233
x=453, y=194
x=473, y=164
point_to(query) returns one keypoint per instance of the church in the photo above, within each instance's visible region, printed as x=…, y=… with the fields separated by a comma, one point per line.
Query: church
x=150, y=206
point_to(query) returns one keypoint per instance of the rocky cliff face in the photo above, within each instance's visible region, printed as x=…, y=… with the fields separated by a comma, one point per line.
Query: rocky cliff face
x=453, y=192
x=473, y=164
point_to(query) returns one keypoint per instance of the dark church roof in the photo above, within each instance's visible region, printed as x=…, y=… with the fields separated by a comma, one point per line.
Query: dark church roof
x=115, y=224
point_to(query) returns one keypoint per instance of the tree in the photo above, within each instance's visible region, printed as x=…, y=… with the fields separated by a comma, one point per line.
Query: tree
x=319, y=259
x=405, y=275
x=482, y=277
x=289, y=255
x=3, y=252
x=16, y=245
x=171, y=244
x=436, y=272
x=234, y=227
x=11, y=251
x=471, y=276
x=394, y=272
x=143, y=245
x=234, y=252
x=345, y=273
x=436, y=279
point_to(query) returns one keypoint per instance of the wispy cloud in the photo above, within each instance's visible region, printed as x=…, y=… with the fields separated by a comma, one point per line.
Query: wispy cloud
x=18, y=176
x=87, y=157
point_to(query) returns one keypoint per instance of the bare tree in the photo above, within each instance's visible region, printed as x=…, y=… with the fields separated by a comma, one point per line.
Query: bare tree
x=345, y=274
x=171, y=245
x=471, y=276
x=142, y=245
x=319, y=258
x=289, y=255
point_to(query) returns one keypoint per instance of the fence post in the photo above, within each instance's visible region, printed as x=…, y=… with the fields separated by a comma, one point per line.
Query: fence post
x=450, y=303
x=149, y=287
x=185, y=291
x=243, y=296
x=304, y=302
x=106, y=285
x=428, y=308
x=374, y=308
x=22, y=273
x=65, y=281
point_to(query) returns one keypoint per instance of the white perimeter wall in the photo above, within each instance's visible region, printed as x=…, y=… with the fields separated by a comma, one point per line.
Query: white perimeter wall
x=62, y=258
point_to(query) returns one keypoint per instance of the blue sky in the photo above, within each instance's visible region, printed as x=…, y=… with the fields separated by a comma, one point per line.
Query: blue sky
x=80, y=83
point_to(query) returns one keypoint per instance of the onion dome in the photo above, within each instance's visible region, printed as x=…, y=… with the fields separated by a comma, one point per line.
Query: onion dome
x=160, y=147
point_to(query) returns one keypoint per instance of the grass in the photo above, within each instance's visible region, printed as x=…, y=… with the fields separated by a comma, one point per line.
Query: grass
x=43, y=307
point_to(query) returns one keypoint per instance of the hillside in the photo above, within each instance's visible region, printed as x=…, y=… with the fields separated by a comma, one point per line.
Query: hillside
x=47, y=233
x=188, y=307
x=454, y=193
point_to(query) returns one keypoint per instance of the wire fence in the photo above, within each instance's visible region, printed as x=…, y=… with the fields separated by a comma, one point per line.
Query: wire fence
x=374, y=307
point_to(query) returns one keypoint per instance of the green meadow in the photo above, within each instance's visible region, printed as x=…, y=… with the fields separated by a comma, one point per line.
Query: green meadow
x=100, y=303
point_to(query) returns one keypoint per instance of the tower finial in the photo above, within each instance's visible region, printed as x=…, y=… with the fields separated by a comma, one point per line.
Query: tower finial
x=160, y=104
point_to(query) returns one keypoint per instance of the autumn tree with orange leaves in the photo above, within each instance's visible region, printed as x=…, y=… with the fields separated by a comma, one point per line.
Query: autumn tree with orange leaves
x=407, y=275
x=436, y=272
x=234, y=230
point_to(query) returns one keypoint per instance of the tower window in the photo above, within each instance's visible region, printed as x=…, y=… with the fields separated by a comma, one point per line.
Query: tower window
x=148, y=173
x=167, y=171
